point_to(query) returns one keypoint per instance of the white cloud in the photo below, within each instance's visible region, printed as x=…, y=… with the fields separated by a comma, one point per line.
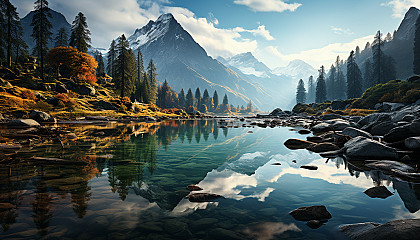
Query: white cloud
x=400, y=7
x=338, y=30
x=269, y=5
x=211, y=18
x=260, y=31
x=315, y=57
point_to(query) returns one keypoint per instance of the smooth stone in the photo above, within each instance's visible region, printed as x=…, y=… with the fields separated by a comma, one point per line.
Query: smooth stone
x=403, y=132
x=378, y=192
x=311, y=213
x=41, y=116
x=322, y=127
x=361, y=147
x=194, y=188
x=315, y=139
x=203, y=197
x=354, y=132
x=323, y=147
x=313, y=168
x=314, y=224
x=304, y=131
x=27, y=123
x=387, y=165
x=330, y=116
x=412, y=143
x=382, y=128
x=404, y=229
x=297, y=144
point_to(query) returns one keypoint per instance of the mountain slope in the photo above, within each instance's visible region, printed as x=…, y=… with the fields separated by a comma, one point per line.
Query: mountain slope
x=296, y=69
x=57, y=21
x=185, y=64
x=247, y=64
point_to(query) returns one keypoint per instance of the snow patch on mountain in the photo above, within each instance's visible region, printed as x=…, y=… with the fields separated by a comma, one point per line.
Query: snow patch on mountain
x=296, y=69
x=247, y=64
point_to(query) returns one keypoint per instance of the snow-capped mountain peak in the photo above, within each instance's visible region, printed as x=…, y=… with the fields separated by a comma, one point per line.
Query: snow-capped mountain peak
x=296, y=69
x=248, y=64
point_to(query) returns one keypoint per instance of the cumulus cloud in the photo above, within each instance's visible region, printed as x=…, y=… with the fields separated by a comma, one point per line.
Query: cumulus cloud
x=400, y=7
x=316, y=57
x=260, y=31
x=338, y=30
x=269, y=5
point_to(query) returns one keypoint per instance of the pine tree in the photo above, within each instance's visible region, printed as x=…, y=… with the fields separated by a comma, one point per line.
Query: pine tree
x=138, y=94
x=311, y=89
x=367, y=46
x=146, y=88
x=61, y=38
x=416, y=50
x=301, y=92
x=100, y=71
x=19, y=45
x=152, y=74
x=249, y=107
x=354, y=77
x=225, y=100
x=357, y=54
x=125, y=68
x=80, y=34
x=12, y=23
x=377, y=57
x=388, y=37
x=181, y=99
x=189, y=100
x=215, y=100
x=111, y=57
x=321, y=88
x=197, y=96
x=340, y=81
x=368, y=75
x=331, y=82
x=41, y=31
x=2, y=31
x=206, y=99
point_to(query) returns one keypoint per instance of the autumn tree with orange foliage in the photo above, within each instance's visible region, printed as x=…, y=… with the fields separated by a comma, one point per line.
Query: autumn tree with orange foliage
x=73, y=64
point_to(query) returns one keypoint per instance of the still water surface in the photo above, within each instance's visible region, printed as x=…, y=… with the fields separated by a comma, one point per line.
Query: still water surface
x=131, y=184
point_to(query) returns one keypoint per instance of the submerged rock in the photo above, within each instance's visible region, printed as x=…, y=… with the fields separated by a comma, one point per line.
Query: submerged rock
x=194, y=188
x=378, y=192
x=309, y=167
x=297, y=144
x=398, y=230
x=304, y=131
x=203, y=197
x=40, y=116
x=311, y=213
x=361, y=147
x=314, y=224
x=22, y=123
x=323, y=147
x=389, y=166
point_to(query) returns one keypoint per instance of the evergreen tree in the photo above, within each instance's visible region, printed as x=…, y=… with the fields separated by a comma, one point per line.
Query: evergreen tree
x=416, y=50
x=225, y=100
x=311, y=89
x=301, y=92
x=111, y=57
x=340, y=81
x=100, y=70
x=331, y=82
x=19, y=45
x=206, y=99
x=197, y=96
x=146, y=88
x=181, y=99
x=368, y=75
x=189, y=100
x=377, y=57
x=388, y=37
x=12, y=23
x=41, y=31
x=80, y=34
x=321, y=88
x=61, y=38
x=249, y=107
x=152, y=74
x=139, y=92
x=2, y=31
x=354, y=77
x=357, y=54
x=125, y=68
x=215, y=100
x=367, y=46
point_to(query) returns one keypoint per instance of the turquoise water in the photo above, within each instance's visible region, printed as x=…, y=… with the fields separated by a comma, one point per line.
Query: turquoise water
x=132, y=185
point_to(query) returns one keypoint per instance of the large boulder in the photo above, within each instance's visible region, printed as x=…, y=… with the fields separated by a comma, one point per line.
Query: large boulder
x=354, y=132
x=297, y=144
x=40, y=116
x=404, y=229
x=22, y=123
x=373, y=118
x=323, y=147
x=389, y=107
x=330, y=116
x=277, y=112
x=403, y=132
x=333, y=124
x=382, y=128
x=391, y=166
x=412, y=143
x=361, y=147
x=339, y=105
x=378, y=192
x=311, y=213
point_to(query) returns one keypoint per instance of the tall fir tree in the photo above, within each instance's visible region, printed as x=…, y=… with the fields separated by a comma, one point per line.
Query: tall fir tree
x=225, y=100
x=111, y=57
x=354, y=77
x=146, y=88
x=321, y=88
x=41, y=31
x=377, y=57
x=80, y=34
x=100, y=70
x=331, y=83
x=340, y=81
x=416, y=50
x=152, y=74
x=181, y=99
x=206, y=99
x=301, y=92
x=197, y=96
x=20, y=48
x=139, y=92
x=125, y=68
x=311, y=89
x=215, y=100
x=357, y=53
x=368, y=79
x=189, y=99
x=61, y=39
x=12, y=23
x=2, y=31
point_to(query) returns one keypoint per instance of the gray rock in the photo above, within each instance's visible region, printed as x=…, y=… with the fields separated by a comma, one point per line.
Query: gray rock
x=333, y=124
x=355, y=118
x=323, y=147
x=378, y=192
x=403, y=132
x=297, y=144
x=382, y=128
x=361, y=147
x=412, y=143
x=277, y=112
x=22, y=123
x=203, y=197
x=390, y=107
x=374, y=117
x=354, y=132
x=408, y=118
x=321, y=127
x=399, y=230
x=40, y=116
x=311, y=213
x=389, y=166
x=330, y=116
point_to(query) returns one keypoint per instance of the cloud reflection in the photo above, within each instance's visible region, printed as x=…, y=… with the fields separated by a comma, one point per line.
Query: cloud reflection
x=269, y=230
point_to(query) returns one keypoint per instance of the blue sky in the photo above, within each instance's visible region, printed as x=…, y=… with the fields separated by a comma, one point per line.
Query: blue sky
x=275, y=31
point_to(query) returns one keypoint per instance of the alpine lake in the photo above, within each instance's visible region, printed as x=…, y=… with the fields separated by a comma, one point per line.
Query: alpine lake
x=129, y=181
